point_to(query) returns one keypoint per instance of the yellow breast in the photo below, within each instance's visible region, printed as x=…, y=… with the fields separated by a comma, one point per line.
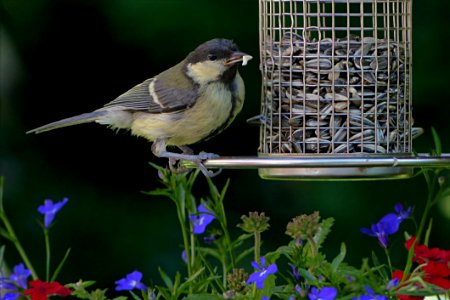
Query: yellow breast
x=191, y=125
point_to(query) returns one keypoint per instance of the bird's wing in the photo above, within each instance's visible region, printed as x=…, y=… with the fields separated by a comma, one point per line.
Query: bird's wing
x=158, y=95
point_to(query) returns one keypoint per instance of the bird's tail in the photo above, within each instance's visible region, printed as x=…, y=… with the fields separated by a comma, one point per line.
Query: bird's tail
x=80, y=119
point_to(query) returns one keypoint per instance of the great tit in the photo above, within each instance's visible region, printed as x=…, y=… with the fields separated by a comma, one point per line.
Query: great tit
x=190, y=102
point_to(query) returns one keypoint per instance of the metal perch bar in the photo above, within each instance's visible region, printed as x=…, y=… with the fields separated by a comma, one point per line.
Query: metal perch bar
x=240, y=162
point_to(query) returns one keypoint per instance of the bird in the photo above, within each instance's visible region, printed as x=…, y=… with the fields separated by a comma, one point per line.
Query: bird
x=190, y=102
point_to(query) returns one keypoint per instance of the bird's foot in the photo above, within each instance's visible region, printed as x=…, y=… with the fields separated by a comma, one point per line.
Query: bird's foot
x=159, y=149
x=176, y=167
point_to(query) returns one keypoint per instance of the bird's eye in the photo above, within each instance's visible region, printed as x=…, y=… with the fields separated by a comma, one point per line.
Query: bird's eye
x=212, y=57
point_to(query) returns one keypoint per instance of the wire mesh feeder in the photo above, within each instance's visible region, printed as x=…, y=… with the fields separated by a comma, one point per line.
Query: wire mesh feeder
x=336, y=83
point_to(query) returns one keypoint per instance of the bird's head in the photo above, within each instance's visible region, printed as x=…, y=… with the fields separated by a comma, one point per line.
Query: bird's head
x=215, y=60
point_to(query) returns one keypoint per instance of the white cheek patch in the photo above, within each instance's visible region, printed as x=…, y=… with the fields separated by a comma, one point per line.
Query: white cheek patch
x=245, y=59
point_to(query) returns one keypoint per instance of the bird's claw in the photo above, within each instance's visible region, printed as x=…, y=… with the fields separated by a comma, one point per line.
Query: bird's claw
x=177, y=168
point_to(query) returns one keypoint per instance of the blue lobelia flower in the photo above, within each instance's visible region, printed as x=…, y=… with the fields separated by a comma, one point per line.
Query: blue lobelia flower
x=295, y=271
x=20, y=275
x=402, y=214
x=260, y=276
x=202, y=219
x=7, y=289
x=49, y=210
x=297, y=292
x=6, y=284
x=130, y=282
x=388, y=225
x=370, y=296
x=184, y=256
x=325, y=293
x=392, y=284
x=9, y=296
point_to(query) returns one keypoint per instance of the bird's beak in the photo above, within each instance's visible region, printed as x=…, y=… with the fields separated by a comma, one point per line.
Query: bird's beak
x=238, y=57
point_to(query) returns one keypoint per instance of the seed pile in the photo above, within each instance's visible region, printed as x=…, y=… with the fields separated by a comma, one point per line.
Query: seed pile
x=348, y=95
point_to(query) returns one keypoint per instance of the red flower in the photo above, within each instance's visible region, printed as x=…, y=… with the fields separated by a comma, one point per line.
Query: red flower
x=399, y=275
x=41, y=290
x=423, y=254
x=436, y=263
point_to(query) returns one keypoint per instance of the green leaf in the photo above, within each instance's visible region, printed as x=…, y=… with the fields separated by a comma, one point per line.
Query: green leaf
x=164, y=292
x=98, y=295
x=437, y=142
x=379, y=266
x=177, y=283
x=61, y=264
x=185, y=285
x=79, y=289
x=167, y=281
x=339, y=258
x=428, y=232
x=307, y=275
x=244, y=254
x=2, y=253
x=202, y=297
x=5, y=233
x=2, y=180
x=325, y=229
x=135, y=297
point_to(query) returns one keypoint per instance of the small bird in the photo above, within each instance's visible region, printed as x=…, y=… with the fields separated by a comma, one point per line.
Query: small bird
x=188, y=103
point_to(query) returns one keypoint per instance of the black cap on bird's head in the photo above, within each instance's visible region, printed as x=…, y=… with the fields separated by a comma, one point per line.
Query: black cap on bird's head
x=217, y=59
x=218, y=49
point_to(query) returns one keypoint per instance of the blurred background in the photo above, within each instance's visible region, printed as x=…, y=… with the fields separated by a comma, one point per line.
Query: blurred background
x=64, y=57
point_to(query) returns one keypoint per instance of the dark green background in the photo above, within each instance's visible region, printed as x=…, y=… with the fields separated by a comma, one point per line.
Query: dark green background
x=61, y=58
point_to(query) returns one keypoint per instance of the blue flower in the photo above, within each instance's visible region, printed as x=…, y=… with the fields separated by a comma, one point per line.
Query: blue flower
x=6, y=284
x=370, y=296
x=184, y=256
x=392, y=284
x=49, y=210
x=202, y=219
x=10, y=296
x=402, y=214
x=130, y=282
x=260, y=276
x=20, y=275
x=7, y=289
x=297, y=292
x=295, y=271
x=325, y=293
x=388, y=225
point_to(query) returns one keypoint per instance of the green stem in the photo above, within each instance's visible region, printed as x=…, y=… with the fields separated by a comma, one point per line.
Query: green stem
x=223, y=223
x=386, y=251
x=224, y=271
x=47, y=254
x=185, y=238
x=258, y=247
x=15, y=241
x=431, y=196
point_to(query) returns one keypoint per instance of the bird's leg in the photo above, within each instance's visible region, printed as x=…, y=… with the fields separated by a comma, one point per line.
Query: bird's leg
x=185, y=149
x=159, y=150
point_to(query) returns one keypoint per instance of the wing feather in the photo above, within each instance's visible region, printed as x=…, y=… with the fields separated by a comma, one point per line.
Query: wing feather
x=163, y=93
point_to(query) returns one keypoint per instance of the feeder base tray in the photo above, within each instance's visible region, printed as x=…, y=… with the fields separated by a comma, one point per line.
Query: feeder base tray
x=360, y=173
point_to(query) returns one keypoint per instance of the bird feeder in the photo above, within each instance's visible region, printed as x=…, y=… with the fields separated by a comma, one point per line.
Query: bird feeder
x=336, y=98
x=336, y=83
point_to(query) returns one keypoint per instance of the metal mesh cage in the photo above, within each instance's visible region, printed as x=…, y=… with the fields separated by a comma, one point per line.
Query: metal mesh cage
x=336, y=77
